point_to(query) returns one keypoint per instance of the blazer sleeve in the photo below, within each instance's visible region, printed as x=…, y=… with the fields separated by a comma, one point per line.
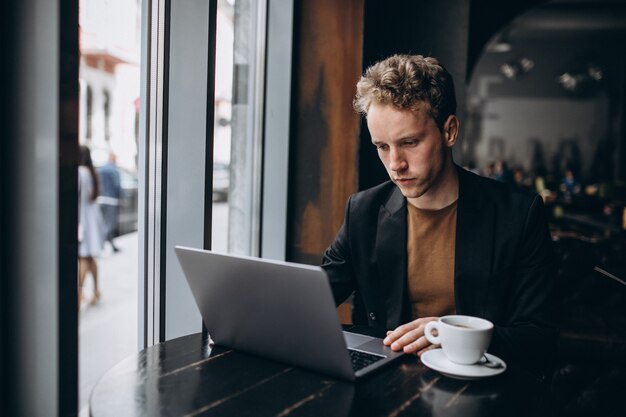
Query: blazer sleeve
x=337, y=262
x=530, y=336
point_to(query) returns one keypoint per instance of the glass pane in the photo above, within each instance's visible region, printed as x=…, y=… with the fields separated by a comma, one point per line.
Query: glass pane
x=238, y=108
x=109, y=106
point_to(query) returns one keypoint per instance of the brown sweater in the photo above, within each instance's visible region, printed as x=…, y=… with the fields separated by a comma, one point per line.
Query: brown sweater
x=430, y=256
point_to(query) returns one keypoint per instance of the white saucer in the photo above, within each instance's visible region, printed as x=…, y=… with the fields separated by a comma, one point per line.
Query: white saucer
x=437, y=360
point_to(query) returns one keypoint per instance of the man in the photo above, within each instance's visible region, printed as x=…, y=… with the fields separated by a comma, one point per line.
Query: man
x=109, y=198
x=437, y=239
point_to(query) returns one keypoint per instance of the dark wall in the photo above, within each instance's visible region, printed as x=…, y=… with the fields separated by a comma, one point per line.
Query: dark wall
x=488, y=17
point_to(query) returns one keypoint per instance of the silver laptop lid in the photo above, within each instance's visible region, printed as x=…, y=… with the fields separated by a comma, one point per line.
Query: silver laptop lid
x=277, y=310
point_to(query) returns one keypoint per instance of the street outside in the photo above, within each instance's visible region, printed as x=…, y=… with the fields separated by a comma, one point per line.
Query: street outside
x=108, y=330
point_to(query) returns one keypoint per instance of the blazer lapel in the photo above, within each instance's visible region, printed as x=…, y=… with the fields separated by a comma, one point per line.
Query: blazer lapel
x=474, y=248
x=391, y=257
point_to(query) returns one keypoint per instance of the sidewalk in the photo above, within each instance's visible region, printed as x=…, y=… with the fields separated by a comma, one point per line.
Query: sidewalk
x=108, y=331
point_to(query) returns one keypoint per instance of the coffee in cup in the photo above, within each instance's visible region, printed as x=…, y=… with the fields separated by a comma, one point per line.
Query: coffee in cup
x=464, y=339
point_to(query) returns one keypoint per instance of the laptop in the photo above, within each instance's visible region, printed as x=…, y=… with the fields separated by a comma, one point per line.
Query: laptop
x=278, y=310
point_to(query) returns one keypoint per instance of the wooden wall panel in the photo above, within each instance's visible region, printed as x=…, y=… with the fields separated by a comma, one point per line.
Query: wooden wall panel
x=324, y=142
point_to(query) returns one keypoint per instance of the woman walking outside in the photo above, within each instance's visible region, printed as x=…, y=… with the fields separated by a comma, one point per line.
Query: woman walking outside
x=90, y=225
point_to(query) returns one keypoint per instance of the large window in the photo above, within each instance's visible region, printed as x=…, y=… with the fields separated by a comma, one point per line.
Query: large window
x=202, y=116
x=239, y=73
x=201, y=111
x=109, y=76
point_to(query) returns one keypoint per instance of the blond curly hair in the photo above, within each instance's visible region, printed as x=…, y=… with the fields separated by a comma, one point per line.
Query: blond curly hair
x=405, y=82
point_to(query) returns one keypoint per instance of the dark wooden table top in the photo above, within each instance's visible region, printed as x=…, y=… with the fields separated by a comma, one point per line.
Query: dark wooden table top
x=186, y=377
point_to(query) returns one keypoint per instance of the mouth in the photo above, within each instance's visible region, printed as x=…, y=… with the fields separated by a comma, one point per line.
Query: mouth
x=403, y=180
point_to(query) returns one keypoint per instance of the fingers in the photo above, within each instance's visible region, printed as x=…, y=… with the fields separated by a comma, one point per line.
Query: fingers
x=407, y=340
x=416, y=346
x=427, y=348
x=400, y=331
x=409, y=337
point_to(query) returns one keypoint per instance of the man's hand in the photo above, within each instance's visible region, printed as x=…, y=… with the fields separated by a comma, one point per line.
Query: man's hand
x=410, y=337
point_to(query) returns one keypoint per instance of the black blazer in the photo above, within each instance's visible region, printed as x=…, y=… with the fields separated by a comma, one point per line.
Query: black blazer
x=504, y=263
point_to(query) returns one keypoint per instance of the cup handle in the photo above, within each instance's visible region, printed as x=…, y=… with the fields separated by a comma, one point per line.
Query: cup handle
x=428, y=332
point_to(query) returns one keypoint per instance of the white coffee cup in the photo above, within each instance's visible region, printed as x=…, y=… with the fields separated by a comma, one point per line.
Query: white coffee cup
x=464, y=339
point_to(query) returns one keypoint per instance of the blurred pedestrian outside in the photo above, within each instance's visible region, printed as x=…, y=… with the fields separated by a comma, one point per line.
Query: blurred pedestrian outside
x=109, y=198
x=90, y=225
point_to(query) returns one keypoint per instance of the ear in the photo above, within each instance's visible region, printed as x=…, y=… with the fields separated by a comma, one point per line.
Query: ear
x=451, y=130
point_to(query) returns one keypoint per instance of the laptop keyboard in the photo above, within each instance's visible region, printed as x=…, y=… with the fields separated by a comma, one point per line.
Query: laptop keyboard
x=361, y=359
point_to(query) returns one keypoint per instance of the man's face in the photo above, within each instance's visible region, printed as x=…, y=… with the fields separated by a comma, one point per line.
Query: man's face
x=414, y=151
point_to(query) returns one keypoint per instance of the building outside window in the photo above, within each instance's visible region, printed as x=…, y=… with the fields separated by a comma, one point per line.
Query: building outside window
x=88, y=112
x=240, y=51
x=107, y=115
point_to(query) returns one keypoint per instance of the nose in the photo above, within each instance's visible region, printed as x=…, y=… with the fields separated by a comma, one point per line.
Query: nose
x=397, y=161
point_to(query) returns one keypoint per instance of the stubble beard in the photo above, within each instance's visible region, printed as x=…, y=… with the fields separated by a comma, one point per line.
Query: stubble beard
x=420, y=186
x=415, y=190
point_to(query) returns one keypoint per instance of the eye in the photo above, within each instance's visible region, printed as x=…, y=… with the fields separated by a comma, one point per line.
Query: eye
x=410, y=142
x=381, y=146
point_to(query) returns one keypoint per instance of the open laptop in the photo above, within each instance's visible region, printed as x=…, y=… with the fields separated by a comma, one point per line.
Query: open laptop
x=278, y=310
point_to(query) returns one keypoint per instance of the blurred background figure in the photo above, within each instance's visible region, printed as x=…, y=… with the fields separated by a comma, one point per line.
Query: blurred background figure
x=90, y=226
x=522, y=179
x=489, y=170
x=502, y=172
x=570, y=185
x=109, y=198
